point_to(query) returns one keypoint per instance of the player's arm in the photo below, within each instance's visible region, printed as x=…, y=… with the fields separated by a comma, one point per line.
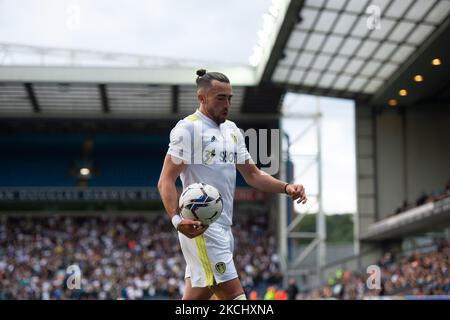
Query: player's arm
x=260, y=180
x=168, y=191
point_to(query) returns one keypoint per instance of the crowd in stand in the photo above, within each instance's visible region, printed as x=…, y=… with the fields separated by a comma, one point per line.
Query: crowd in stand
x=140, y=258
x=425, y=198
x=420, y=273
x=119, y=257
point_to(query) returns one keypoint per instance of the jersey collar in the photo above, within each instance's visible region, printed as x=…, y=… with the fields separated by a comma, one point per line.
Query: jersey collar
x=205, y=118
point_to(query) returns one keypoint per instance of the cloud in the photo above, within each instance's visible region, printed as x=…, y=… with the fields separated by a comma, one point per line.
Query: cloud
x=338, y=150
x=196, y=29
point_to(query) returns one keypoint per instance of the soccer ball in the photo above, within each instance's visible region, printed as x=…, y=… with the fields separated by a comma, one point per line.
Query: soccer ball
x=201, y=201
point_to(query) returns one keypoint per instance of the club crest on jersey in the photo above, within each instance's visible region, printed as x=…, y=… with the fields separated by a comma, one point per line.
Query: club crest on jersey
x=221, y=267
x=234, y=138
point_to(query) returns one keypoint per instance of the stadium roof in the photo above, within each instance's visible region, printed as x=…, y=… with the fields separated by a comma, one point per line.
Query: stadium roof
x=327, y=48
x=121, y=100
x=316, y=46
x=58, y=82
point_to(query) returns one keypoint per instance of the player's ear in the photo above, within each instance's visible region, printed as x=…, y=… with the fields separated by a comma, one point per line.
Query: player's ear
x=201, y=97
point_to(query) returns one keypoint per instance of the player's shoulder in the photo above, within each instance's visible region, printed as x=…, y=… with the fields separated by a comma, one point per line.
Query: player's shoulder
x=192, y=118
x=230, y=125
x=187, y=122
x=233, y=128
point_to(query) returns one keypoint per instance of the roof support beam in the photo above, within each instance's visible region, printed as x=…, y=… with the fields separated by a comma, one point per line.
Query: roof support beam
x=32, y=97
x=175, y=94
x=104, y=98
x=239, y=75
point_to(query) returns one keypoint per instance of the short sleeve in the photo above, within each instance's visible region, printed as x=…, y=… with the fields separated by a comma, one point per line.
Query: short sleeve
x=180, y=142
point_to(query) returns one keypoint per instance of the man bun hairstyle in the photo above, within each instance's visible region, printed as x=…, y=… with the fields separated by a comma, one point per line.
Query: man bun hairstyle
x=201, y=72
x=204, y=78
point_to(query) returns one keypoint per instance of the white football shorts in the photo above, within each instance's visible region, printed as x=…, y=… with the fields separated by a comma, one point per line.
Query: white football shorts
x=209, y=257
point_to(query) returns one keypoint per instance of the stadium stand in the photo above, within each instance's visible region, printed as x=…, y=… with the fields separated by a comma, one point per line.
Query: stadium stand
x=423, y=272
x=35, y=160
x=119, y=257
x=49, y=160
x=431, y=211
x=425, y=198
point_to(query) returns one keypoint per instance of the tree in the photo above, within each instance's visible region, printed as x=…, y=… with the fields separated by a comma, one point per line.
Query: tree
x=339, y=227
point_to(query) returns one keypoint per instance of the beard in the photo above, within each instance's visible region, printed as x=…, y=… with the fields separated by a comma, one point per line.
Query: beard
x=218, y=117
x=221, y=119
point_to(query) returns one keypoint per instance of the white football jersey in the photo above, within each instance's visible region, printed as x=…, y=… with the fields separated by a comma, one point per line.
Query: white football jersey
x=210, y=152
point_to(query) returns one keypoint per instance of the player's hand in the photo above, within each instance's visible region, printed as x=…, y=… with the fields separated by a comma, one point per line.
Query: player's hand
x=192, y=228
x=297, y=192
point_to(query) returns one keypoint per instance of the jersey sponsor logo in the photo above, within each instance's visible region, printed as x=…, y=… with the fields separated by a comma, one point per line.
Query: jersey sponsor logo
x=221, y=267
x=224, y=157
x=228, y=157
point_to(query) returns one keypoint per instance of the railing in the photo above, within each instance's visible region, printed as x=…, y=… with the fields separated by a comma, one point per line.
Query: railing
x=16, y=194
x=21, y=54
x=408, y=217
x=78, y=194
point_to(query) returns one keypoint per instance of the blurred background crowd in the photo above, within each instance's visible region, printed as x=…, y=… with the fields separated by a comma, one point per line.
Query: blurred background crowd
x=422, y=272
x=119, y=257
x=139, y=258
x=425, y=198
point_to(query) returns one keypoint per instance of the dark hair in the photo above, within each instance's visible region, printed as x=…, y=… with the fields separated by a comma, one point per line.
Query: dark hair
x=204, y=78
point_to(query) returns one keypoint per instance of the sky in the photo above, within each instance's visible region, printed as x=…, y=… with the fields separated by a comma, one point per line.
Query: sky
x=338, y=150
x=210, y=30
x=200, y=30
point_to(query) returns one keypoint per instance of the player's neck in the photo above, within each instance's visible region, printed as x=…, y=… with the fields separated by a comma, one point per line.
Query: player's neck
x=205, y=113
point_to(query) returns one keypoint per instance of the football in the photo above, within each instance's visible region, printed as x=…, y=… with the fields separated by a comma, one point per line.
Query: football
x=201, y=201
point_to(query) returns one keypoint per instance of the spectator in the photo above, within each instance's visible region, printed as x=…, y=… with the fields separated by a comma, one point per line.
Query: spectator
x=421, y=273
x=119, y=258
x=253, y=295
x=281, y=295
x=424, y=198
x=292, y=289
x=270, y=294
